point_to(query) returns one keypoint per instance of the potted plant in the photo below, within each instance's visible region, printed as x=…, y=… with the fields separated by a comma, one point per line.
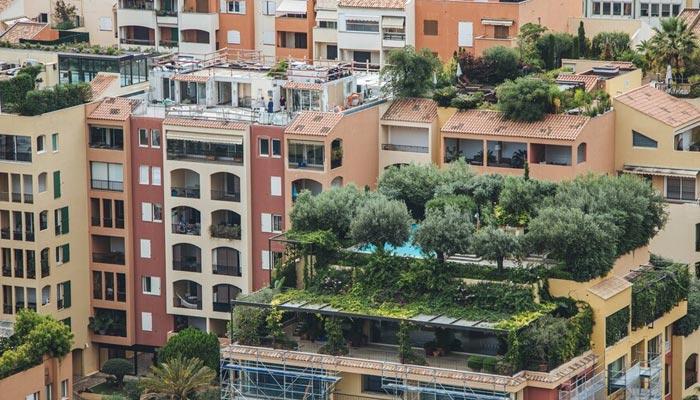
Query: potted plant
x=100, y=324
x=430, y=348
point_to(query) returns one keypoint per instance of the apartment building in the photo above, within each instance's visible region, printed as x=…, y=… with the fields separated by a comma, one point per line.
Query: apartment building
x=612, y=77
x=647, y=10
x=294, y=22
x=43, y=226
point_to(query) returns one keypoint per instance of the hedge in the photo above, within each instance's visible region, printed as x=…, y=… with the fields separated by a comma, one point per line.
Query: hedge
x=617, y=326
x=657, y=291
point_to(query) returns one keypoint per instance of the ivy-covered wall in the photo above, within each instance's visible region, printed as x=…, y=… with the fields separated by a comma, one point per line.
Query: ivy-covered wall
x=657, y=291
x=617, y=326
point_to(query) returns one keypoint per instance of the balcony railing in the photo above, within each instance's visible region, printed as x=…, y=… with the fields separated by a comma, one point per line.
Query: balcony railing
x=189, y=266
x=394, y=36
x=6, y=270
x=4, y=196
x=136, y=5
x=137, y=42
x=109, y=258
x=187, y=192
x=16, y=197
x=230, y=270
x=187, y=229
x=29, y=198
x=223, y=231
x=17, y=234
x=45, y=270
x=406, y=148
x=107, y=146
x=5, y=233
x=19, y=272
x=226, y=157
x=29, y=235
x=166, y=13
x=225, y=196
x=222, y=307
x=7, y=308
x=114, y=186
x=168, y=43
x=305, y=165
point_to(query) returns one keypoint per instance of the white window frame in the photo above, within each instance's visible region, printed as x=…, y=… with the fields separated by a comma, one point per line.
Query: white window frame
x=146, y=321
x=41, y=142
x=269, y=7
x=147, y=212
x=153, y=213
x=64, y=390
x=260, y=147
x=143, y=131
x=54, y=142
x=272, y=147
x=145, y=248
x=266, y=222
x=153, y=282
x=277, y=218
x=235, y=7
x=265, y=260
x=154, y=133
x=156, y=176
x=143, y=175
x=465, y=34
x=276, y=186
x=233, y=37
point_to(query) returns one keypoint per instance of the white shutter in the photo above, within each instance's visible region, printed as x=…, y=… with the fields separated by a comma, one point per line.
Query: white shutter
x=275, y=186
x=265, y=259
x=146, y=322
x=155, y=171
x=155, y=285
x=145, y=248
x=143, y=174
x=269, y=38
x=147, y=212
x=241, y=5
x=233, y=37
x=224, y=8
x=465, y=34
x=266, y=222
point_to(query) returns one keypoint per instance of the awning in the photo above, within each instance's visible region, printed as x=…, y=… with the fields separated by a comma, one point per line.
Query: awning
x=499, y=22
x=325, y=15
x=688, y=173
x=361, y=19
x=393, y=22
x=292, y=6
x=203, y=137
x=190, y=78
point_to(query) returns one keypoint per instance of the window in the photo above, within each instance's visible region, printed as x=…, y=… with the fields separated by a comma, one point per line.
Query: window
x=616, y=371
x=41, y=144
x=157, y=213
x=678, y=188
x=63, y=295
x=606, y=8
x=276, y=259
x=266, y=222
x=236, y=7
x=654, y=10
x=644, y=9
x=106, y=138
x=276, y=148
x=665, y=10
x=57, y=184
x=107, y=176
x=277, y=223
x=640, y=140
x=155, y=138
x=465, y=34
x=581, y=153
x=147, y=212
x=146, y=321
x=328, y=24
x=155, y=176
x=596, y=8
x=697, y=237
x=45, y=295
x=34, y=396
x=361, y=26
x=269, y=7
x=63, y=254
x=48, y=392
x=61, y=218
x=143, y=174
x=275, y=186
x=43, y=220
x=233, y=37
x=42, y=182
x=362, y=56
x=151, y=285
x=64, y=389
x=306, y=153
x=143, y=137
x=269, y=37
x=264, y=147
x=145, y=248
x=373, y=384
x=430, y=27
x=501, y=32
x=54, y=142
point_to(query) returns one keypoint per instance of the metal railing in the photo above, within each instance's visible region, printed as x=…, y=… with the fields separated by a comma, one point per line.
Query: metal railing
x=186, y=192
x=223, y=307
x=11, y=155
x=230, y=270
x=109, y=258
x=394, y=36
x=189, y=266
x=29, y=235
x=187, y=229
x=29, y=198
x=100, y=184
x=5, y=233
x=225, y=196
x=106, y=146
x=406, y=148
x=137, y=42
x=45, y=269
x=136, y=5
x=168, y=43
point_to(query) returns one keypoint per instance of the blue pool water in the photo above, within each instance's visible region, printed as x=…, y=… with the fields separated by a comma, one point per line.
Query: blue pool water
x=405, y=250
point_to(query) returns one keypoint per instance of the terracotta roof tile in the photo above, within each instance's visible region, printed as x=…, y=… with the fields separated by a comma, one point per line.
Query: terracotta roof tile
x=660, y=106
x=590, y=81
x=302, y=86
x=412, y=110
x=114, y=109
x=101, y=83
x=314, y=123
x=22, y=30
x=609, y=287
x=688, y=15
x=392, y=4
x=204, y=123
x=190, y=78
x=487, y=122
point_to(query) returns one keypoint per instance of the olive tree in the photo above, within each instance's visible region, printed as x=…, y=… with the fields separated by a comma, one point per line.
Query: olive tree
x=445, y=231
x=525, y=99
x=332, y=209
x=381, y=221
x=414, y=184
x=409, y=72
x=495, y=245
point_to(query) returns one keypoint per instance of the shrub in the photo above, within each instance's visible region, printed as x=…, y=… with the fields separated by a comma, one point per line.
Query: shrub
x=489, y=364
x=336, y=343
x=444, y=96
x=525, y=99
x=475, y=363
x=691, y=321
x=504, y=62
x=132, y=390
x=461, y=202
x=118, y=367
x=192, y=343
x=59, y=97
x=467, y=101
x=655, y=292
x=617, y=326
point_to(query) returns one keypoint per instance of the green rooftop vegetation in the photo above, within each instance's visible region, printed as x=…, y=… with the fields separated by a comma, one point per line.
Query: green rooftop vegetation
x=35, y=336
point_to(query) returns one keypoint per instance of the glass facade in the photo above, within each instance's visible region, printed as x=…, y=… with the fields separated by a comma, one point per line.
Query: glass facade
x=74, y=68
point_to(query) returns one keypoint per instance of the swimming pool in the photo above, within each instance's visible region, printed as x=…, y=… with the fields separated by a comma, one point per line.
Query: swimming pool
x=405, y=250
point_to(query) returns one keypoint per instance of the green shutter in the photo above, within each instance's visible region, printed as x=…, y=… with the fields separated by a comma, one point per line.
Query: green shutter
x=67, y=322
x=64, y=220
x=66, y=253
x=66, y=294
x=56, y=184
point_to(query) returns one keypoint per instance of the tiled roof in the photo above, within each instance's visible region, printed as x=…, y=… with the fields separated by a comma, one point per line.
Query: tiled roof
x=412, y=110
x=114, y=109
x=486, y=122
x=302, y=86
x=393, y=4
x=190, y=78
x=204, y=123
x=660, y=106
x=314, y=123
x=688, y=15
x=101, y=83
x=589, y=81
x=22, y=30
x=610, y=287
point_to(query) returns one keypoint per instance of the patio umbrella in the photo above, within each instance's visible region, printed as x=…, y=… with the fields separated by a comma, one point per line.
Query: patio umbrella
x=459, y=70
x=294, y=192
x=669, y=75
x=434, y=78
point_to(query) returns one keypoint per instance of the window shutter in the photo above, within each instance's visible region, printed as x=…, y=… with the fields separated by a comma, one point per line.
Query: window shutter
x=56, y=184
x=145, y=248
x=66, y=253
x=275, y=186
x=266, y=221
x=241, y=5
x=155, y=171
x=224, y=9
x=146, y=212
x=66, y=294
x=233, y=37
x=465, y=34
x=64, y=220
x=265, y=259
x=269, y=37
x=146, y=321
x=155, y=285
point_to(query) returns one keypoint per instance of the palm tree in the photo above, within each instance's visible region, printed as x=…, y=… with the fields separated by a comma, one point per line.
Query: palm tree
x=177, y=379
x=673, y=44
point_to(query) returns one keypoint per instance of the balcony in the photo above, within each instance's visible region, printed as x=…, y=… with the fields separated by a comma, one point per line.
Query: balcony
x=220, y=153
x=137, y=42
x=137, y=13
x=225, y=187
x=688, y=140
x=201, y=20
x=393, y=39
x=187, y=257
x=106, y=138
x=226, y=224
x=108, y=250
x=184, y=183
x=109, y=258
x=100, y=184
x=167, y=17
x=108, y=322
x=405, y=148
x=188, y=294
x=226, y=261
x=186, y=221
x=222, y=295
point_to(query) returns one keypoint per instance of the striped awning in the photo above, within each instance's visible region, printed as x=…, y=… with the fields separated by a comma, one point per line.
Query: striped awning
x=687, y=173
x=498, y=22
x=360, y=19
x=292, y=7
x=326, y=15
x=393, y=22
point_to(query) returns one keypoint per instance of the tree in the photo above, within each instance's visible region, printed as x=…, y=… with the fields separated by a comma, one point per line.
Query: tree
x=525, y=99
x=118, y=367
x=610, y=45
x=583, y=243
x=444, y=231
x=673, y=44
x=415, y=184
x=495, y=245
x=527, y=43
x=177, y=379
x=192, y=343
x=332, y=209
x=64, y=13
x=520, y=198
x=555, y=46
x=381, y=221
x=504, y=63
x=408, y=72
x=582, y=43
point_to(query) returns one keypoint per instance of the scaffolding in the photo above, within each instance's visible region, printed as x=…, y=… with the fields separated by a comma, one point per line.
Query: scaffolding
x=587, y=386
x=642, y=381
